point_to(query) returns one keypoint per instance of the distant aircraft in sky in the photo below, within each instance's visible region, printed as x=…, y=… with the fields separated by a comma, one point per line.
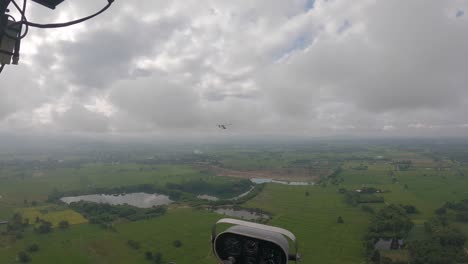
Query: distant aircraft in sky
x=223, y=126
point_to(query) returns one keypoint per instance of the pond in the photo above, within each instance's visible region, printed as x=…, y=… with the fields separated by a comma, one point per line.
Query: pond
x=214, y=198
x=265, y=180
x=140, y=200
x=242, y=214
x=208, y=197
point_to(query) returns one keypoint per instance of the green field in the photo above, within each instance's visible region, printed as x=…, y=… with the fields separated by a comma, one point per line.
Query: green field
x=311, y=212
x=52, y=214
x=313, y=219
x=91, y=244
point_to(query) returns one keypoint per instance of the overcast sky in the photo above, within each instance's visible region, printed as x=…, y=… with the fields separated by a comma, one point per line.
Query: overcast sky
x=289, y=67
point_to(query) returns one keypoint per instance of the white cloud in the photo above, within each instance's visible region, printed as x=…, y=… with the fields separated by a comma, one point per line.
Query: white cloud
x=267, y=66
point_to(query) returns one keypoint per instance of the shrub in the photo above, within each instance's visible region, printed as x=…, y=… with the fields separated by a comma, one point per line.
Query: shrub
x=44, y=228
x=177, y=243
x=133, y=244
x=149, y=255
x=64, y=224
x=23, y=257
x=33, y=248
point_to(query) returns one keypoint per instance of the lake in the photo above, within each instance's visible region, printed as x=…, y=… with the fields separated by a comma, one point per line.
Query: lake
x=140, y=200
x=265, y=180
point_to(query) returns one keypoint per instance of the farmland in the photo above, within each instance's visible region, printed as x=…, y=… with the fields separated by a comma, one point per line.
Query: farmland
x=311, y=212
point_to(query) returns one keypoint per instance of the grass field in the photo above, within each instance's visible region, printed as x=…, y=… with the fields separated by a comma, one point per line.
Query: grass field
x=312, y=217
x=52, y=214
x=86, y=243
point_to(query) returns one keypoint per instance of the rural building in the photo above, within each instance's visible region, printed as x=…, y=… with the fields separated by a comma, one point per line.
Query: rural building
x=3, y=222
x=389, y=244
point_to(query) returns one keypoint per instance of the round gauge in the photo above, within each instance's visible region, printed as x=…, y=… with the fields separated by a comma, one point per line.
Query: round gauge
x=251, y=247
x=232, y=246
x=251, y=260
x=271, y=256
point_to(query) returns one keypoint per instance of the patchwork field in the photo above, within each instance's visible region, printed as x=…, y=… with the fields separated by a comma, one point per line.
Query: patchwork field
x=52, y=214
x=311, y=212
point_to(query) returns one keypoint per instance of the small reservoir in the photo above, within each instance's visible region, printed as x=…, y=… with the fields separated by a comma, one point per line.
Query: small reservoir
x=140, y=200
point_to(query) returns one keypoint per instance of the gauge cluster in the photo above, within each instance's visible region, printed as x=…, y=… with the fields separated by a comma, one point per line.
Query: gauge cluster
x=248, y=250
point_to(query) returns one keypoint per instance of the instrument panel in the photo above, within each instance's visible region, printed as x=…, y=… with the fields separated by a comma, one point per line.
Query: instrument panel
x=248, y=250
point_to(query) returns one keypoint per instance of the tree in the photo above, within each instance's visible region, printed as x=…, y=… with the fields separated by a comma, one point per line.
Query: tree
x=177, y=243
x=391, y=221
x=367, y=208
x=410, y=209
x=462, y=217
x=157, y=258
x=23, y=257
x=64, y=224
x=33, y=248
x=386, y=260
x=44, y=228
x=441, y=211
x=133, y=244
x=149, y=255
x=376, y=256
x=340, y=220
x=307, y=193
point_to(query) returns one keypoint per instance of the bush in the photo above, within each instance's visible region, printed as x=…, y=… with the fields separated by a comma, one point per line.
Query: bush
x=44, y=228
x=441, y=211
x=410, y=209
x=133, y=244
x=23, y=257
x=386, y=260
x=177, y=243
x=149, y=255
x=157, y=258
x=367, y=208
x=375, y=258
x=33, y=248
x=64, y=224
x=462, y=217
x=340, y=220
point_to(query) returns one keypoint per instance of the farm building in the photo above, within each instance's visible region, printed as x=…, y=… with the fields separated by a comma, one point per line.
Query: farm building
x=388, y=244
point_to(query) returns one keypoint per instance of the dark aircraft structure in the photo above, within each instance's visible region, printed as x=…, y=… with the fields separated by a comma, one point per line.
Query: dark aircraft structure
x=13, y=30
x=252, y=243
x=224, y=126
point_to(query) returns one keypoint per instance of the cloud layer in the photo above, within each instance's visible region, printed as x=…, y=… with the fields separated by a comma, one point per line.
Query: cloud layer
x=296, y=67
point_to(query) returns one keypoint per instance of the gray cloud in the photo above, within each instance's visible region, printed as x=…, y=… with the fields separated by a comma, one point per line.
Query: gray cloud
x=79, y=119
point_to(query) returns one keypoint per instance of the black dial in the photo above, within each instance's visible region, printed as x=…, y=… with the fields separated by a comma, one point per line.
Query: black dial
x=232, y=246
x=271, y=256
x=251, y=247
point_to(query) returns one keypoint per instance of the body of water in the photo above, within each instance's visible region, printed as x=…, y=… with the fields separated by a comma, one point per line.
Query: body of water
x=140, y=200
x=208, y=197
x=265, y=180
x=242, y=214
x=214, y=198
